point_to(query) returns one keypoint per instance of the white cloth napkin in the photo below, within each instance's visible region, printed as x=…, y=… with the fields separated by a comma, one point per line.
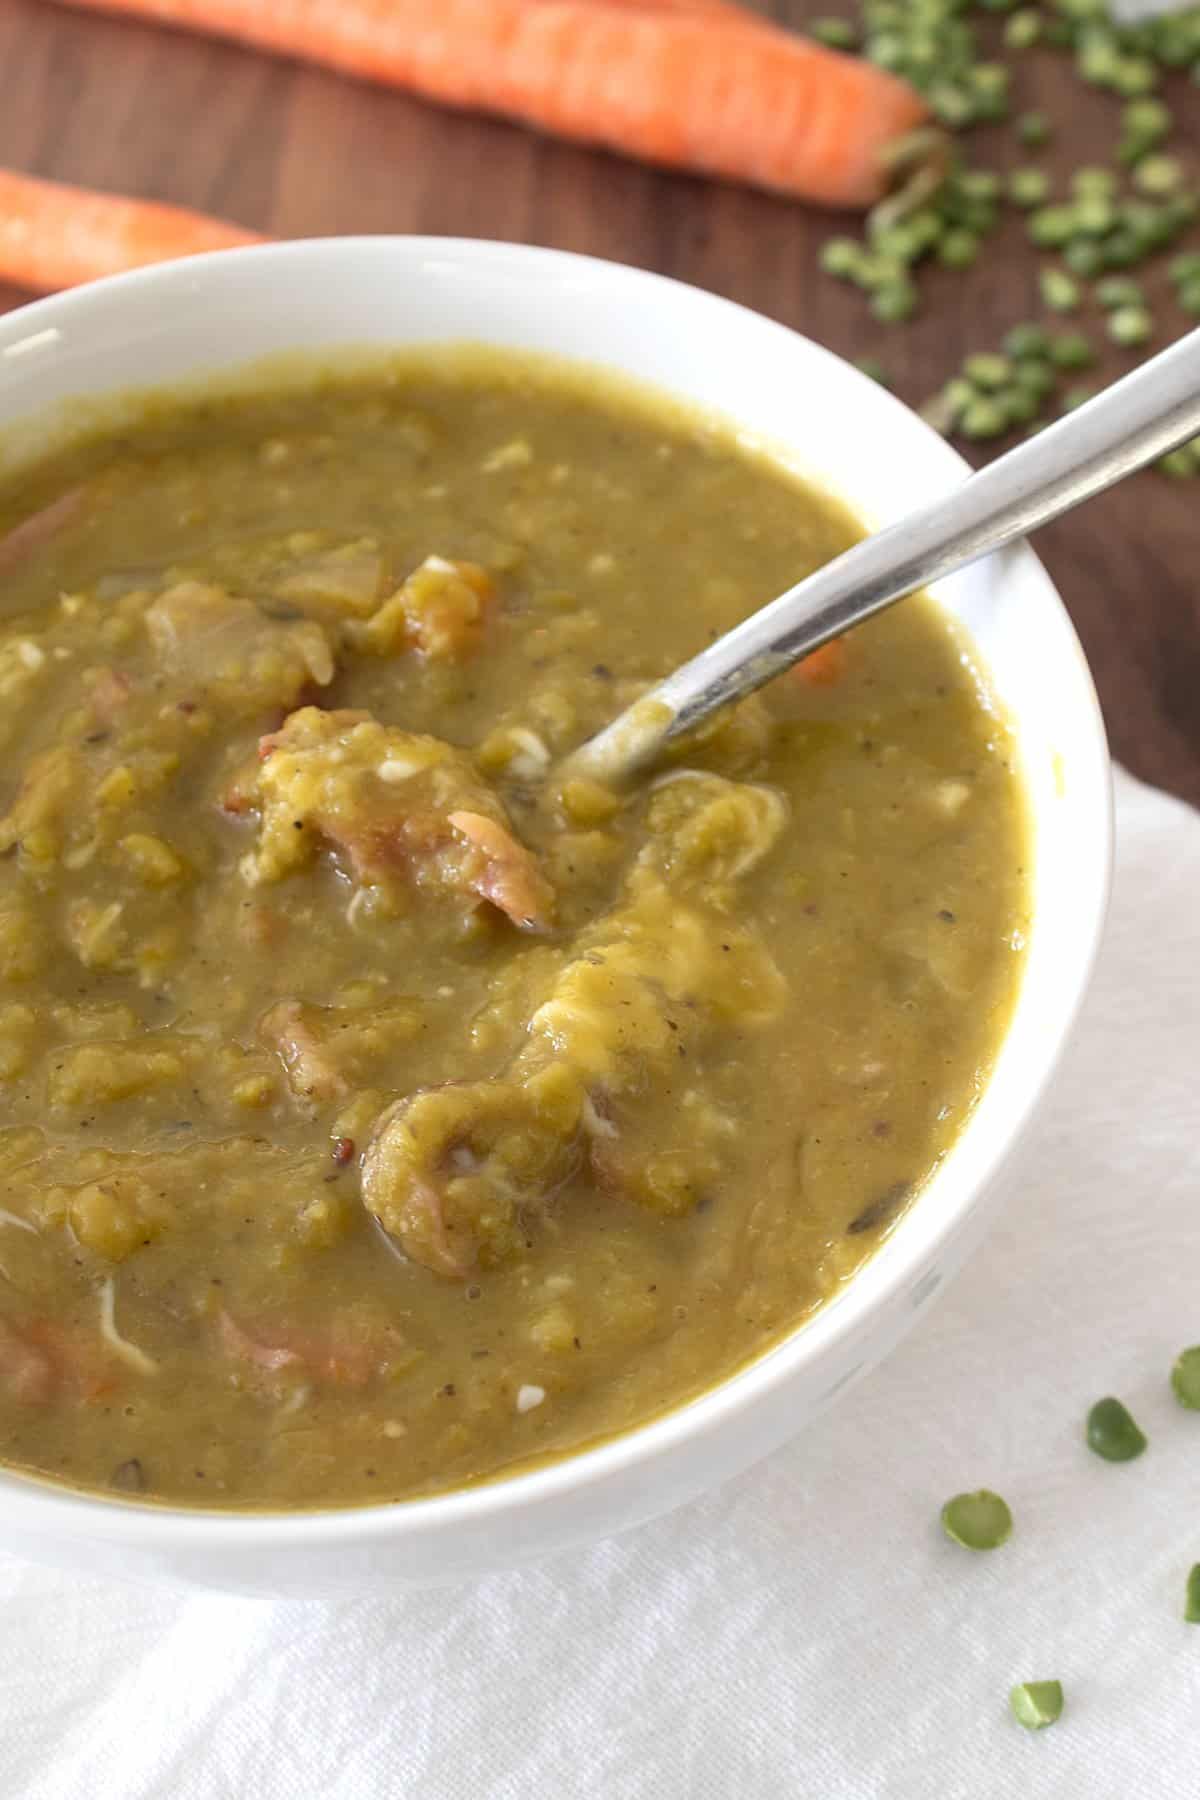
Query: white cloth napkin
x=806, y=1632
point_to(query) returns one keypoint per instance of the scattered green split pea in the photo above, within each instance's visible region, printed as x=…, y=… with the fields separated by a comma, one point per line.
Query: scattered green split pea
x=958, y=249
x=1027, y=341
x=978, y=1521
x=1118, y=290
x=1052, y=226
x=1191, y=1603
x=987, y=370
x=1179, y=464
x=1085, y=257
x=1130, y=325
x=1071, y=350
x=1158, y=175
x=842, y=256
x=1036, y=1704
x=1146, y=122
x=1033, y=130
x=894, y=301
x=1023, y=29
x=835, y=34
x=1185, y=1372
x=983, y=418
x=1036, y=378
x=1059, y=291
x=1113, y=1433
x=1091, y=180
x=1074, y=398
x=870, y=365
x=1020, y=406
x=1028, y=187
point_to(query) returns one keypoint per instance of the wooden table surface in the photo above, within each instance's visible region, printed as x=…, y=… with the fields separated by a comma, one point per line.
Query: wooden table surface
x=296, y=152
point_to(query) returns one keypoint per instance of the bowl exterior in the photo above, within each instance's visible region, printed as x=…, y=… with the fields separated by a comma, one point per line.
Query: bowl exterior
x=183, y=321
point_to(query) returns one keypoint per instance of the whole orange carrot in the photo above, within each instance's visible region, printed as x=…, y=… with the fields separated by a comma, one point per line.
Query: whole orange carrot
x=714, y=91
x=698, y=9
x=53, y=236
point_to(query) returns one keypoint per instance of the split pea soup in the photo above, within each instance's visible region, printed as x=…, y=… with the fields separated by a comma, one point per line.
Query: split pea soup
x=381, y=1108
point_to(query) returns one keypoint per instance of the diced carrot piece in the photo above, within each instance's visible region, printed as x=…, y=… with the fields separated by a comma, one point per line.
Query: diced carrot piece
x=824, y=667
x=25, y=1369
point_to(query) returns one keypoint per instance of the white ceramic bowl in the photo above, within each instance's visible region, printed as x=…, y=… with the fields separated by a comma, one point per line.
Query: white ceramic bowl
x=175, y=322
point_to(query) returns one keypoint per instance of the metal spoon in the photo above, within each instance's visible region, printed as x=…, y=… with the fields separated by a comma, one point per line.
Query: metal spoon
x=1128, y=425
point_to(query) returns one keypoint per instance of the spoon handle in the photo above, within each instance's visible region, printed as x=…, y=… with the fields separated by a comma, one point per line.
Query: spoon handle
x=1127, y=425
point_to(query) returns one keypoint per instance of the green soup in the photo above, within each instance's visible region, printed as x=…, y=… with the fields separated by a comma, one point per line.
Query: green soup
x=380, y=1107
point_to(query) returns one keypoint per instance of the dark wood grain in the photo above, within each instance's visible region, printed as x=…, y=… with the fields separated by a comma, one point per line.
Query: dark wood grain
x=296, y=152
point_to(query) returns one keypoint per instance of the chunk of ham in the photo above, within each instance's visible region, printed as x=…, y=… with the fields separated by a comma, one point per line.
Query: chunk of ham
x=108, y=695
x=289, y=1027
x=399, y=811
x=500, y=868
x=44, y=1361
x=214, y=642
x=26, y=1370
x=329, y=1051
x=240, y=1344
x=342, y=581
x=40, y=528
x=346, y=1353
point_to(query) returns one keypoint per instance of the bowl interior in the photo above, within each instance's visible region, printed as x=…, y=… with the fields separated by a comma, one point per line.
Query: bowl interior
x=820, y=416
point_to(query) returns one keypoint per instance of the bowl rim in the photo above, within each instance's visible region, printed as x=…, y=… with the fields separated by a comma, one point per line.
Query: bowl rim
x=28, y=1499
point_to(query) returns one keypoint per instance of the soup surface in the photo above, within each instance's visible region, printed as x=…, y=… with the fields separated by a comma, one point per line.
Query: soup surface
x=381, y=1108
